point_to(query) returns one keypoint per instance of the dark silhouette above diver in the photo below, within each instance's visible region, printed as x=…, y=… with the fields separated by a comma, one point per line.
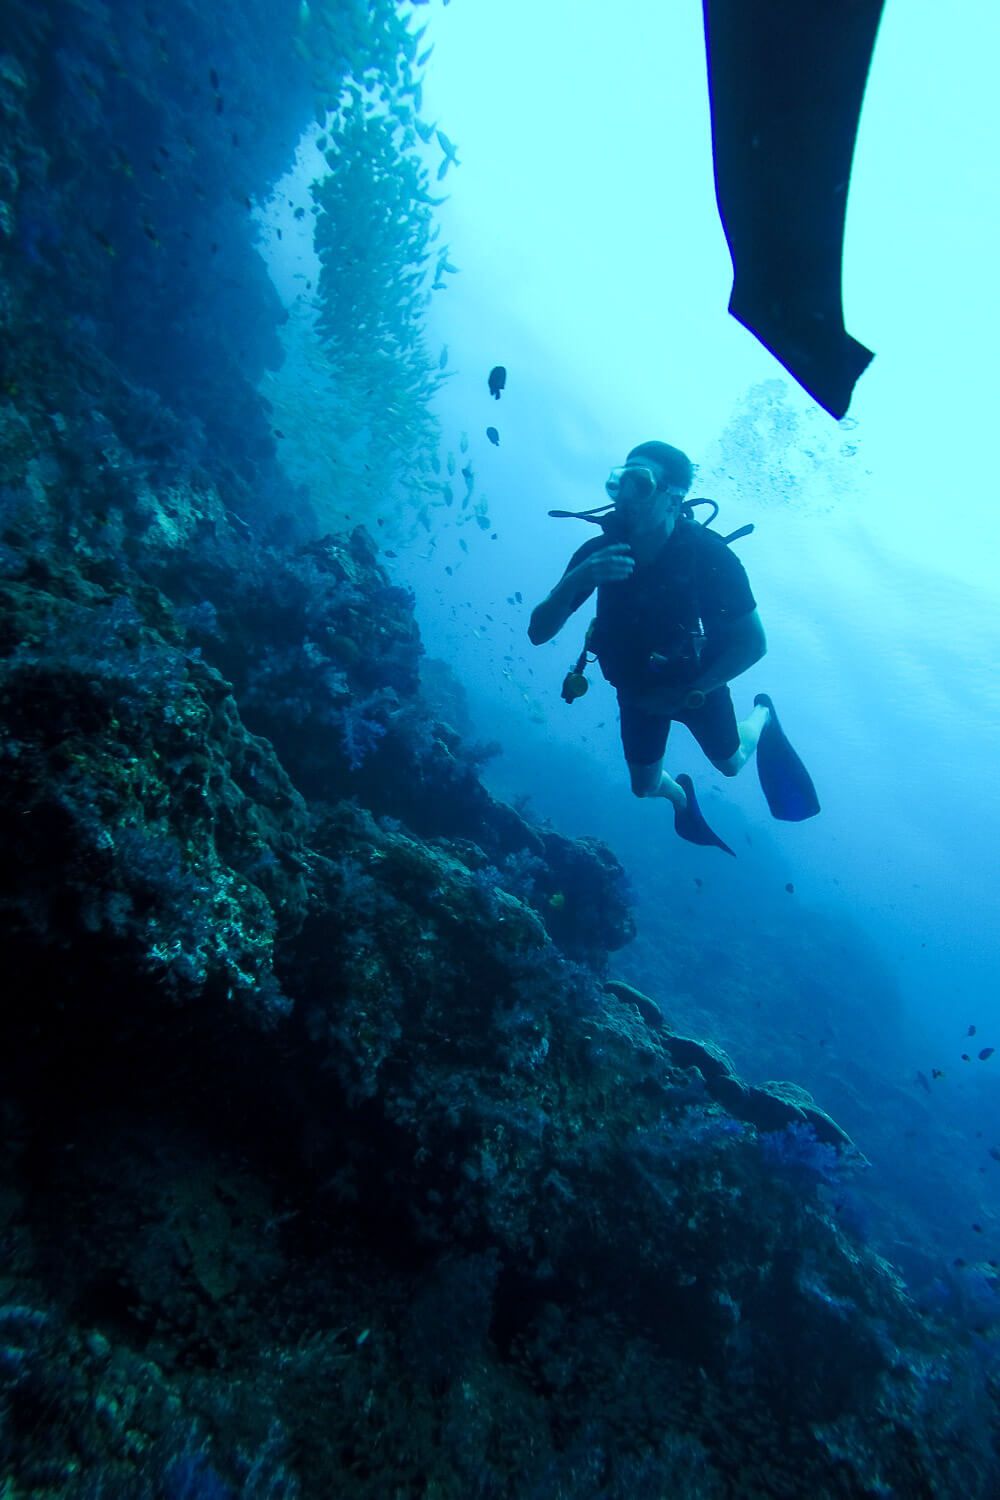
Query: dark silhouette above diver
x=676, y=622
x=786, y=82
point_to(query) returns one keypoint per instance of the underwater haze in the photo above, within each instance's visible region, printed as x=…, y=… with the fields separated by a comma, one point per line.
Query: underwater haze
x=392, y=1103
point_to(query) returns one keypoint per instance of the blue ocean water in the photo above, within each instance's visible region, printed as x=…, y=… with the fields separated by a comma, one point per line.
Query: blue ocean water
x=392, y=1103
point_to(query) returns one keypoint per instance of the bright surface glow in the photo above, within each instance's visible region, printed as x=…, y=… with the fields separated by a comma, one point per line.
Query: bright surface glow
x=594, y=266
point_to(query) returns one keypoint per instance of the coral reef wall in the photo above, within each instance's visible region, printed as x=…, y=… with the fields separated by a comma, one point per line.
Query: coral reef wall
x=332, y=1159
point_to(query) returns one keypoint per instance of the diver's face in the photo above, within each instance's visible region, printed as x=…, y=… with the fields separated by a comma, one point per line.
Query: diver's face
x=643, y=508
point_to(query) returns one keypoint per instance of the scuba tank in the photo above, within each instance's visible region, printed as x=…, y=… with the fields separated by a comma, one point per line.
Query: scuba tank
x=576, y=683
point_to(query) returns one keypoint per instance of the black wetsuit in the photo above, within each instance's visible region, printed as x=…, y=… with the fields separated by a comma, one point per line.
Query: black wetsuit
x=673, y=608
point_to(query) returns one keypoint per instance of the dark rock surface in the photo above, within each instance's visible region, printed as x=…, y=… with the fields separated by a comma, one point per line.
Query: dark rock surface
x=330, y=1162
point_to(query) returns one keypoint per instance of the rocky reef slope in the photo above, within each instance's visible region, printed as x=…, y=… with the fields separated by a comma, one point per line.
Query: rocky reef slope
x=331, y=1151
x=334, y=1158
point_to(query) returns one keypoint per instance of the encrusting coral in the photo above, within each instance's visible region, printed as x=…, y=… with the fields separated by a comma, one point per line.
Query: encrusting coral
x=333, y=1159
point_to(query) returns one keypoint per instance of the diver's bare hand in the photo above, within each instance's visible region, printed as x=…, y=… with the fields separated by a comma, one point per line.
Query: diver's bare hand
x=611, y=564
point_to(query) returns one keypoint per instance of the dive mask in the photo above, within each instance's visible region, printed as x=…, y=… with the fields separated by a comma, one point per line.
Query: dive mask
x=631, y=482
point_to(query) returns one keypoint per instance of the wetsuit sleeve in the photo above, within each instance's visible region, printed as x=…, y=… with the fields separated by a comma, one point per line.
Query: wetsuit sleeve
x=725, y=588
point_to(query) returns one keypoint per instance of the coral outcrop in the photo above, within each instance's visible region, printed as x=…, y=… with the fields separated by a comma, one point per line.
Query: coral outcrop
x=333, y=1160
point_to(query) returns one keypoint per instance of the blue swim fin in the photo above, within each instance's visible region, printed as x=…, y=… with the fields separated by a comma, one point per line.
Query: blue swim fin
x=784, y=780
x=690, y=824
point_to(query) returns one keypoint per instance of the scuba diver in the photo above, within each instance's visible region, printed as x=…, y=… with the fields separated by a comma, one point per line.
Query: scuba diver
x=676, y=622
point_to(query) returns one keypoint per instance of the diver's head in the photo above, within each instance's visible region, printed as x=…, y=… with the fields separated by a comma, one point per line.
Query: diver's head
x=649, y=489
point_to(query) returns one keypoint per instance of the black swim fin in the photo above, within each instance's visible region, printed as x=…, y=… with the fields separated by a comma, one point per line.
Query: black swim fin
x=786, y=82
x=689, y=822
x=784, y=780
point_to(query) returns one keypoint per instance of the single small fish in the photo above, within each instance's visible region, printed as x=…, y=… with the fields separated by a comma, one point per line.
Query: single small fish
x=971, y=1031
x=966, y=1057
x=497, y=381
x=213, y=79
x=463, y=544
x=790, y=888
x=937, y=1072
x=387, y=553
x=278, y=432
x=923, y=1081
x=444, y=358
x=493, y=436
x=977, y=1228
x=995, y=1152
x=517, y=596
x=451, y=463
x=986, y=1052
x=450, y=151
x=463, y=444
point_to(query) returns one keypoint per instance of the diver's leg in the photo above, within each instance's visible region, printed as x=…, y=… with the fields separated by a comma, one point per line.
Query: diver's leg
x=653, y=781
x=750, y=731
x=644, y=740
x=689, y=822
x=714, y=727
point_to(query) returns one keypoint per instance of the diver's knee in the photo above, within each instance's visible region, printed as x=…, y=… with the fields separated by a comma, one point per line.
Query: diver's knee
x=645, y=780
